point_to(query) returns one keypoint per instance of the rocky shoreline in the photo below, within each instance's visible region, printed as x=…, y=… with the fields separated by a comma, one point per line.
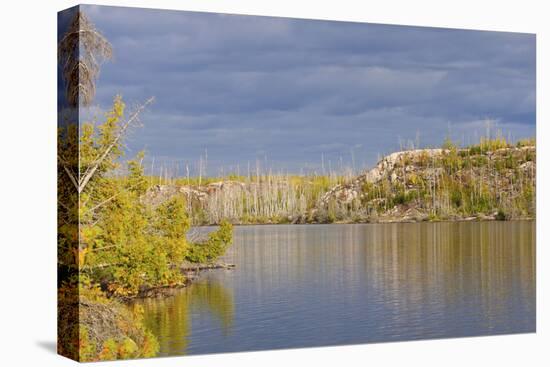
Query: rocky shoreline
x=404, y=219
x=191, y=271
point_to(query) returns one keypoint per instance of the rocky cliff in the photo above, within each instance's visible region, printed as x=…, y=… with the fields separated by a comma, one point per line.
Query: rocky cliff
x=442, y=183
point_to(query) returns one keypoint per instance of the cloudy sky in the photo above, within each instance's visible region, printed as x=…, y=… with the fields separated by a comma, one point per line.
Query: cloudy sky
x=292, y=92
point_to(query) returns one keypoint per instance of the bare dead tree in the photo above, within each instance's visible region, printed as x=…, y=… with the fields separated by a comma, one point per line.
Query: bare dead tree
x=81, y=52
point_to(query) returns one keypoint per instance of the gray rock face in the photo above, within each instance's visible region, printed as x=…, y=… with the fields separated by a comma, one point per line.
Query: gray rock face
x=160, y=193
x=385, y=168
x=199, y=194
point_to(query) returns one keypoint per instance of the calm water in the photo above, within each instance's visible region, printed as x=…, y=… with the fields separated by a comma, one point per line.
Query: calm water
x=315, y=285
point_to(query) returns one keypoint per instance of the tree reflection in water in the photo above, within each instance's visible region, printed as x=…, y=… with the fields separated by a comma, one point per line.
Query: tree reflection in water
x=170, y=318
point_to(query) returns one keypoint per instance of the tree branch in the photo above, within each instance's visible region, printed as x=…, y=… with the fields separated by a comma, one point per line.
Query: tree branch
x=89, y=174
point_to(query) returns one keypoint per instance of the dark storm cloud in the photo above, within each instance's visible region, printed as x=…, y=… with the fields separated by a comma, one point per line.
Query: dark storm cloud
x=287, y=91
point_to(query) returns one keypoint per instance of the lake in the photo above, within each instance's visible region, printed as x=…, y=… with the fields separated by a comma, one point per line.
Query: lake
x=319, y=285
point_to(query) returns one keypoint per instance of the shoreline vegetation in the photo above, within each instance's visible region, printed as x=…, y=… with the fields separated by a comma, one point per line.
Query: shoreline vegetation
x=113, y=247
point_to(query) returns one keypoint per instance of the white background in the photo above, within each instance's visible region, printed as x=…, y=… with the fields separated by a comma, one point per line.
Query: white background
x=28, y=195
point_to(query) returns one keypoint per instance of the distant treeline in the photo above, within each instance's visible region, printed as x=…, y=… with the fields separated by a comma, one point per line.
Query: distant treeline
x=492, y=179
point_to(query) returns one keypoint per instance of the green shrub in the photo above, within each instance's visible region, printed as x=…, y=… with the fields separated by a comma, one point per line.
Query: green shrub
x=214, y=247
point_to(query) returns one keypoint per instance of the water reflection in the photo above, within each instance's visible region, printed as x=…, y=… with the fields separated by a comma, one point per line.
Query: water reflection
x=170, y=319
x=314, y=285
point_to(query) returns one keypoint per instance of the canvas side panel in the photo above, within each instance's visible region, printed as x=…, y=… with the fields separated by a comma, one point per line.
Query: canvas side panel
x=68, y=332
